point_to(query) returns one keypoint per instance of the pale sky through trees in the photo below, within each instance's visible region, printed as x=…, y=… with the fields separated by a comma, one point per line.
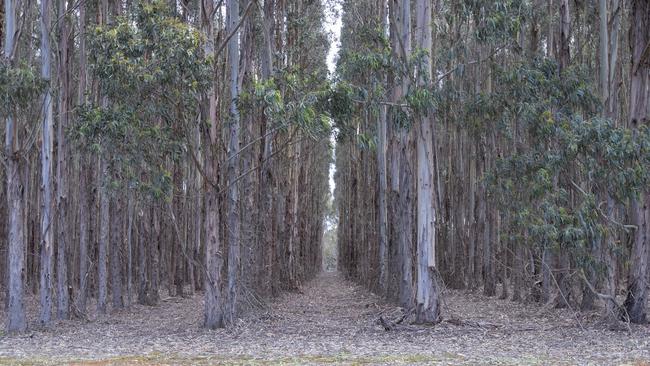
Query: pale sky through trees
x=334, y=27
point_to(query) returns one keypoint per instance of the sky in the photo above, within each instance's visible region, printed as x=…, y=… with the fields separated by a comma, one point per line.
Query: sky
x=333, y=25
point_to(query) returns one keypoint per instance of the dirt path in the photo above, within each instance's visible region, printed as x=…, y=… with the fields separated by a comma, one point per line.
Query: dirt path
x=331, y=322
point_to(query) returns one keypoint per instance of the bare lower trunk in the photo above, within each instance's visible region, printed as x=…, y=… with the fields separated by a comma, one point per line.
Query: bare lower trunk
x=637, y=290
x=104, y=220
x=153, y=295
x=197, y=226
x=563, y=280
x=292, y=221
x=545, y=268
x=383, y=201
x=16, y=321
x=83, y=238
x=142, y=257
x=405, y=233
x=116, y=262
x=129, y=248
x=214, y=315
x=609, y=253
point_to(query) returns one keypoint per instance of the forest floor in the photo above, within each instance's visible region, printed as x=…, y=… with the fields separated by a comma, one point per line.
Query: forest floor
x=332, y=321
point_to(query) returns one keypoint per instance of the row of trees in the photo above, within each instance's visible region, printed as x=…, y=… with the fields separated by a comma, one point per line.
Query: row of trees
x=501, y=145
x=163, y=145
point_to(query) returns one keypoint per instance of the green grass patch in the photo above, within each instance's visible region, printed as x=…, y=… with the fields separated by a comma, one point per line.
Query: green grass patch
x=167, y=359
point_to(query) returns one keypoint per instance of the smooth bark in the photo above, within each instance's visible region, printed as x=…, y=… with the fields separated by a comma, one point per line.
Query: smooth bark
x=47, y=219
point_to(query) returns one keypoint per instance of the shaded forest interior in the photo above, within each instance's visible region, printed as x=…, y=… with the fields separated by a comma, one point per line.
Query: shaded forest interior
x=172, y=154
x=185, y=146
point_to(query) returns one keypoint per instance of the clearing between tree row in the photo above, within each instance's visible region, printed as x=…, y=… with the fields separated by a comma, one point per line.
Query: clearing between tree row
x=332, y=321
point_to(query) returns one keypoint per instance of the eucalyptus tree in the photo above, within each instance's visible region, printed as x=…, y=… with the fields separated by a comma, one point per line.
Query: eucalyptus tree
x=47, y=186
x=382, y=142
x=266, y=232
x=462, y=148
x=214, y=315
x=533, y=171
x=16, y=320
x=62, y=155
x=147, y=129
x=428, y=289
x=402, y=154
x=234, y=220
x=639, y=115
x=104, y=202
x=134, y=142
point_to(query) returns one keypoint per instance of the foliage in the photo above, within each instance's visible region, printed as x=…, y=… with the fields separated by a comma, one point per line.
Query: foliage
x=556, y=188
x=152, y=73
x=292, y=99
x=19, y=87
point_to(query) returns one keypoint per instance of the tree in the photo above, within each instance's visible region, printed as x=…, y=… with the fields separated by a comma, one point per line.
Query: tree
x=16, y=321
x=47, y=218
x=401, y=178
x=382, y=141
x=214, y=313
x=635, y=301
x=428, y=289
x=234, y=220
x=62, y=191
x=84, y=221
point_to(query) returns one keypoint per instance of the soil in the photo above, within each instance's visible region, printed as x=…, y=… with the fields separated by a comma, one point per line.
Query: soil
x=333, y=321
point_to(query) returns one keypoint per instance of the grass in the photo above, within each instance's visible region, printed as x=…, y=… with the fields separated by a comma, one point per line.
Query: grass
x=344, y=358
x=166, y=359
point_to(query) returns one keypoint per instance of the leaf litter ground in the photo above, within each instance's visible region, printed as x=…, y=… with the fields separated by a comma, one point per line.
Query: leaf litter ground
x=332, y=321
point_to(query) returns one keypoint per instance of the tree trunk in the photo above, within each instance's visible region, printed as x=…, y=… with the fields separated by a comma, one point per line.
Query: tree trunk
x=83, y=236
x=428, y=289
x=637, y=291
x=401, y=156
x=16, y=321
x=104, y=220
x=62, y=201
x=234, y=224
x=383, y=180
x=143, y=237
x=214, y=314
x=615, y=70
x=104, y=204
x=565, y=35
x=550, y=41
x=564, y=58
x=84, y=220
x=47, y=222
x=116, y=262
x=614, y=65
x=129, y=248
x=153, y=294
